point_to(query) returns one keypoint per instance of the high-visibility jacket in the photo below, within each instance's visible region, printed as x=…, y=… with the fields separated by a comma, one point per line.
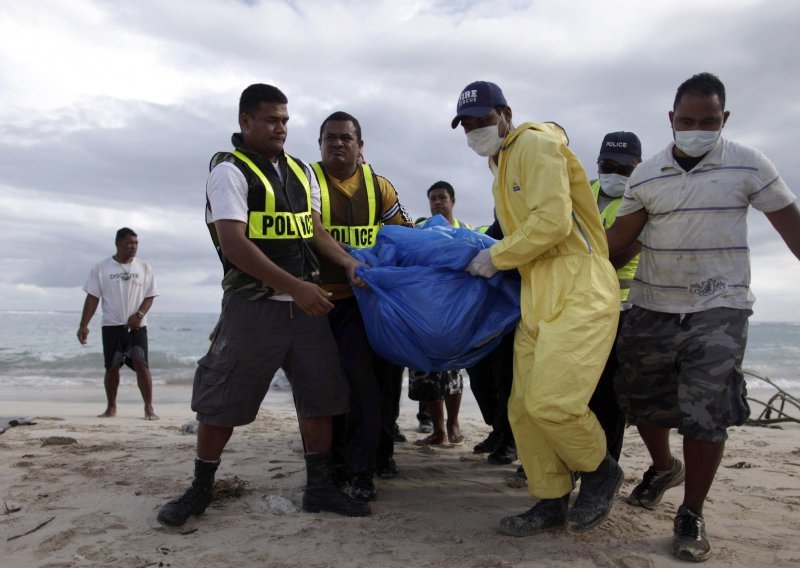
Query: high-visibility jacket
x=279, y=218
x=608, y=215
x=353, y=221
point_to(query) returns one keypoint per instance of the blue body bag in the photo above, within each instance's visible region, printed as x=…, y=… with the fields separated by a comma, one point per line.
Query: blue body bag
x=422, y=309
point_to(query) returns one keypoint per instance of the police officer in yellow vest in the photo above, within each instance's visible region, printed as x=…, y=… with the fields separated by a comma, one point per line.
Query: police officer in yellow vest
x=620, y=152
x=262, y=208
x=355, y=203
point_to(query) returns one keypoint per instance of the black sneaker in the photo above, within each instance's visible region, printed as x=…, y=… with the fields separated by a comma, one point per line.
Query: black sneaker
x=425, y=427
x=397, y=435
x=387, y=470
x=546, y=514
x=363, y=488
x=490, y=444
x=503, y=455
x=689, y=541
x=654, y=484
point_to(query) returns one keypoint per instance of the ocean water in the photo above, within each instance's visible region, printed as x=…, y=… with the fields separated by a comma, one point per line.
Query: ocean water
x=40, y=349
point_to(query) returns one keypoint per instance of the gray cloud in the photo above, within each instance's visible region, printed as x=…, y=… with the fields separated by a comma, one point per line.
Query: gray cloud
x=76, y=166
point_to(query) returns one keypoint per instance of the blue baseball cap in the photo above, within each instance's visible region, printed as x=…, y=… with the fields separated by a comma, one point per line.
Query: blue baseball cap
x=478, y=99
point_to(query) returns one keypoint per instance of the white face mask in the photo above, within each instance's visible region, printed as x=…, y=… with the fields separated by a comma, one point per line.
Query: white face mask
x=485, y=141
x=613, y=185
x=695, y=143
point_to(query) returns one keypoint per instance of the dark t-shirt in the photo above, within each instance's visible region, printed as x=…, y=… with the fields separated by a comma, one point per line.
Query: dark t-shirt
x=689, y=162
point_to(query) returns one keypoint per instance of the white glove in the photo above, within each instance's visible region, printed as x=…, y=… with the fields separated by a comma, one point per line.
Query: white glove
x=481, y=265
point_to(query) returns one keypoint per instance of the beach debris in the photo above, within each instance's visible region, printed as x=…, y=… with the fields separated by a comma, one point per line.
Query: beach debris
x=190, y=428
x=58, y=441
x=516, y=482
x=784, y=406
x=279, y=505
x=6, y=423
x=34, y=529
x=8, y=510
x=229, y=488
x=740, y=465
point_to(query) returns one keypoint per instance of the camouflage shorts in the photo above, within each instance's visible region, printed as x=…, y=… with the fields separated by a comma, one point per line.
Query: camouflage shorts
x=429, y=387
x=684, y=371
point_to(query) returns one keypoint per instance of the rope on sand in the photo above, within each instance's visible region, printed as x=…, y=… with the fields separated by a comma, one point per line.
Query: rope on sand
x=784, y=406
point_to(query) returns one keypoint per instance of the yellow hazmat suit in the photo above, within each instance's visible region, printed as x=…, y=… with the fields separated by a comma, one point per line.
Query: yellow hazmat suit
x=569, y=303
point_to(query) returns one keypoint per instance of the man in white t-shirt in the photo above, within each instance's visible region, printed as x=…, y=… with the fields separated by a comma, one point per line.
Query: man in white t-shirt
x=681, y=347
x=126, y=286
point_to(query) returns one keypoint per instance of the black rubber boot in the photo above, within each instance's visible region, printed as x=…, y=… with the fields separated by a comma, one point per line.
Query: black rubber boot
x=596, y=496
x=195, y=500
x=322, y=494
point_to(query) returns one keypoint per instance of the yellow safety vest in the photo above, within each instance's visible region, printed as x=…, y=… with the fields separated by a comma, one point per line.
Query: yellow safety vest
x=358, y=236
x=608, y=216
x=271, y=224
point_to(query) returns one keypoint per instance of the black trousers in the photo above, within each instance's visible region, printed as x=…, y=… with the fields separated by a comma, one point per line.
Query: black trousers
x=604, y=402
x=390, y=382
x=490, y=381
x=355, y=434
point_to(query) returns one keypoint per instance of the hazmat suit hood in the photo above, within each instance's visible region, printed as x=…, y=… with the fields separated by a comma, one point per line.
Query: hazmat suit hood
x=552, y=128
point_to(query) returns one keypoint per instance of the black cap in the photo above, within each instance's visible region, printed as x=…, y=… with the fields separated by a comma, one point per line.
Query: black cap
x=621, y=147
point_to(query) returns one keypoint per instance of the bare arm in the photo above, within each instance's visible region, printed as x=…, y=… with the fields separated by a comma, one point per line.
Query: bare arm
x=787, y=222
x=333, y=251
x=89, y=308
x=134, y=322
x=237, y=248
x=626, y=255
x=623, y=233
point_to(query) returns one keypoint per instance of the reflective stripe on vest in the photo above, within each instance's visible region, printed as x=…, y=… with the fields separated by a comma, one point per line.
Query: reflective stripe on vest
x=271, y=224
x=358, y=236
x=608, y=216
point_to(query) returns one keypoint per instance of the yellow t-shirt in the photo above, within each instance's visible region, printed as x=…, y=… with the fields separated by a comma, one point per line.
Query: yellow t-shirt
x=393, y=213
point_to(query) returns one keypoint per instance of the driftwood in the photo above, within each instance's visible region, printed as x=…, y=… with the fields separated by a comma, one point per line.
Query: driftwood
x=34, y=529
x=781, y=406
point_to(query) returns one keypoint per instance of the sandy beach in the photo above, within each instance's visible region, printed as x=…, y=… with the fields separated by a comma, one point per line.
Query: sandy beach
x=94, y=502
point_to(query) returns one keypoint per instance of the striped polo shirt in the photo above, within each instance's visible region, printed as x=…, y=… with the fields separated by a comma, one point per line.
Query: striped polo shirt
x=695, y=254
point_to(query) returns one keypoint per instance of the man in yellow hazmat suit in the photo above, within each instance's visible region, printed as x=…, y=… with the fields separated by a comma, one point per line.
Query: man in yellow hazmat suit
x=569, y=303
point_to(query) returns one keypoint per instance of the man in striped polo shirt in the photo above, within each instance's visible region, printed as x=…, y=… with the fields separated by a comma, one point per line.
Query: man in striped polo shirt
x=682, y=343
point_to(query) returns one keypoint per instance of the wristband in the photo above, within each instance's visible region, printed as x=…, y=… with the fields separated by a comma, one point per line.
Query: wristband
x=140, y=315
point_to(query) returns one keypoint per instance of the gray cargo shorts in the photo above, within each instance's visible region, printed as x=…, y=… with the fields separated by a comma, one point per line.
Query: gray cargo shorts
x=253, y=340
x=684, y=371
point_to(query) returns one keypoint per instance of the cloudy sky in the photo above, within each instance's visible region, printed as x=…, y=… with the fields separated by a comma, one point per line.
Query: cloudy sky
x=110, y=111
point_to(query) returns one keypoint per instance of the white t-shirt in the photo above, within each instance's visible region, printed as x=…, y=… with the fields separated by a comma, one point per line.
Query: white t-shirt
x=695, y=254
x=226, y=190
x=121, y=288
